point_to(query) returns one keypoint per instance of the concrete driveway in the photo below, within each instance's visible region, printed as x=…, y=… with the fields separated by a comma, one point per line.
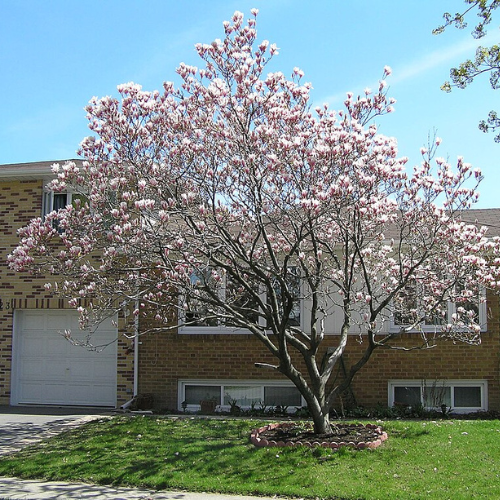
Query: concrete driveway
x=21, y=425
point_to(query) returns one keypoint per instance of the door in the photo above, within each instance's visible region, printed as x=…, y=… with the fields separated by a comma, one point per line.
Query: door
x=49, y=370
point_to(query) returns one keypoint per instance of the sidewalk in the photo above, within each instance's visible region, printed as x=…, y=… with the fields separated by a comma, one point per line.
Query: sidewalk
x=13, y=488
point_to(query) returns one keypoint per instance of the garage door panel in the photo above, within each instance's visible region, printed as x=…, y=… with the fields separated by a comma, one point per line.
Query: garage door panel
x=34, y=369
x=108, y=324
x=99, y=394
x=57, y=322
x=102, y=371
x=54, y=393
x=55, y=370
x=55, y=344
x=82, y=370
x=78, y=393
x=35, y=321
x=32, y=391
x=50, y=370
x=81, y=393
x=33, y=345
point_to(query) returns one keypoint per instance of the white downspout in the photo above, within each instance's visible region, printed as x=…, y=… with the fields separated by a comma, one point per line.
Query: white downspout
x=136, y=352
x=136, y=362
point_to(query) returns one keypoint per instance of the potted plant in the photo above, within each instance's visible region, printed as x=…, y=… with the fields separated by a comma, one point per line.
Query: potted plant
x=207, y=406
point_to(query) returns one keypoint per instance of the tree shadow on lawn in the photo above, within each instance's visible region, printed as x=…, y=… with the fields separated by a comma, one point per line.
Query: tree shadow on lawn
x=211, y=466
x=411, y=433
x=163, y=472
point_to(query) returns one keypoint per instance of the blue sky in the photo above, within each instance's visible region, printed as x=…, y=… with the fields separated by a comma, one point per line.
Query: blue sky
x=56, y=54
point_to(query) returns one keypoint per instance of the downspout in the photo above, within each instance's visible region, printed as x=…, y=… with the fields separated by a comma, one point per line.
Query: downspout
x=126, y=405
x=136, y=352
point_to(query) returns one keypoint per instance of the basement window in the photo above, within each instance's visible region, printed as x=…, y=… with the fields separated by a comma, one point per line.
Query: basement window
x=245, y=394
x=462, y=396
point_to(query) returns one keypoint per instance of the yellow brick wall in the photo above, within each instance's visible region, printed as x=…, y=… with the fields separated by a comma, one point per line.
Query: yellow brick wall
x=20, y=201
x=165, y=358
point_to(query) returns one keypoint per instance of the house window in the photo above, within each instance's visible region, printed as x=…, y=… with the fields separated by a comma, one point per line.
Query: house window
x=246, y=394
x=407, y=395
x=243, y=396
x=242, y=300
x=195, y=393
x=198, y=311
x=55, y=201
x=282, y=396
x=467, y=397
x=293, y=284
x=209, y=286
x=461, y=396
x=407, y=311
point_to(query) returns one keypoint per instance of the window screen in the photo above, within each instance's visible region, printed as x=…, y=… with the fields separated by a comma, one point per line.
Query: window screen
x=244, y=396
x=281, y=396
x=467, y=396
x=196, y=393
x=407, y=395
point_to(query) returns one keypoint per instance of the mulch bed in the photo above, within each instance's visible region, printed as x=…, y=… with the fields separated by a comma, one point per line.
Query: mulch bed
x=299, y=434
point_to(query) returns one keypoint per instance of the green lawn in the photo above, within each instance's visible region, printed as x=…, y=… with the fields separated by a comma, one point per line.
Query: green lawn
x=421, y=459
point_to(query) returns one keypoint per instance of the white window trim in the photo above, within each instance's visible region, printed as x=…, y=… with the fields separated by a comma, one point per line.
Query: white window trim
x=483, y=318
x=184, y=329
x=48, y=200
x=482, y=384
x=229, y=382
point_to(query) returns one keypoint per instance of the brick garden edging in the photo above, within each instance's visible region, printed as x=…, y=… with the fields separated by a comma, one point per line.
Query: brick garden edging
x=262, y=442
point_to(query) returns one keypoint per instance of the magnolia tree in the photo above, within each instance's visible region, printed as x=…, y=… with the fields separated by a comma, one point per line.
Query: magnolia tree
x=229, y=202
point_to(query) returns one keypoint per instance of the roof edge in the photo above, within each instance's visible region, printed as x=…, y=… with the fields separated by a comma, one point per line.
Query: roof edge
x=31, y=170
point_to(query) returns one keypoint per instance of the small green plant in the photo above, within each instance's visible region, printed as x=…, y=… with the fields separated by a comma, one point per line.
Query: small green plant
x=280, y=410
x=302, y=412
x=445, y=411
x=234, y=408
x=417, y=410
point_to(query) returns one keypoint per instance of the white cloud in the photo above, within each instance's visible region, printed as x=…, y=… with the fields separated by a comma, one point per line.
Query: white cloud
x=442, y=57
x=424, y=63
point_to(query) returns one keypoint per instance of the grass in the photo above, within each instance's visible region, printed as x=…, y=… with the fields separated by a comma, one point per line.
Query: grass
x=421, y=459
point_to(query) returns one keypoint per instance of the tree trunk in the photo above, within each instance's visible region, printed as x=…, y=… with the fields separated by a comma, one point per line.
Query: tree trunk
x=321, y=419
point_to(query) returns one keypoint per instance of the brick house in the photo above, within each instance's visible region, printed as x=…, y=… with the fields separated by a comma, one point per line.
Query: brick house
x=38, y=366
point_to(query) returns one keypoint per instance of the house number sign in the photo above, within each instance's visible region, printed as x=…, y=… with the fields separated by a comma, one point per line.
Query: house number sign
x=5, y=304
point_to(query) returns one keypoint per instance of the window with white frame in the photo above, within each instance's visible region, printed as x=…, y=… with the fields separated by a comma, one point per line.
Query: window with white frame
x=461, y=396
x=55, y=201
x=243, y=393
x=198, y=312
x=208, y=286
x=407, y=309
x=243, y=300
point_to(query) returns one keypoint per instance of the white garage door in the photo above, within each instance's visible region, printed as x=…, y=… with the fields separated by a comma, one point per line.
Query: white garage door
x=50, y=370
